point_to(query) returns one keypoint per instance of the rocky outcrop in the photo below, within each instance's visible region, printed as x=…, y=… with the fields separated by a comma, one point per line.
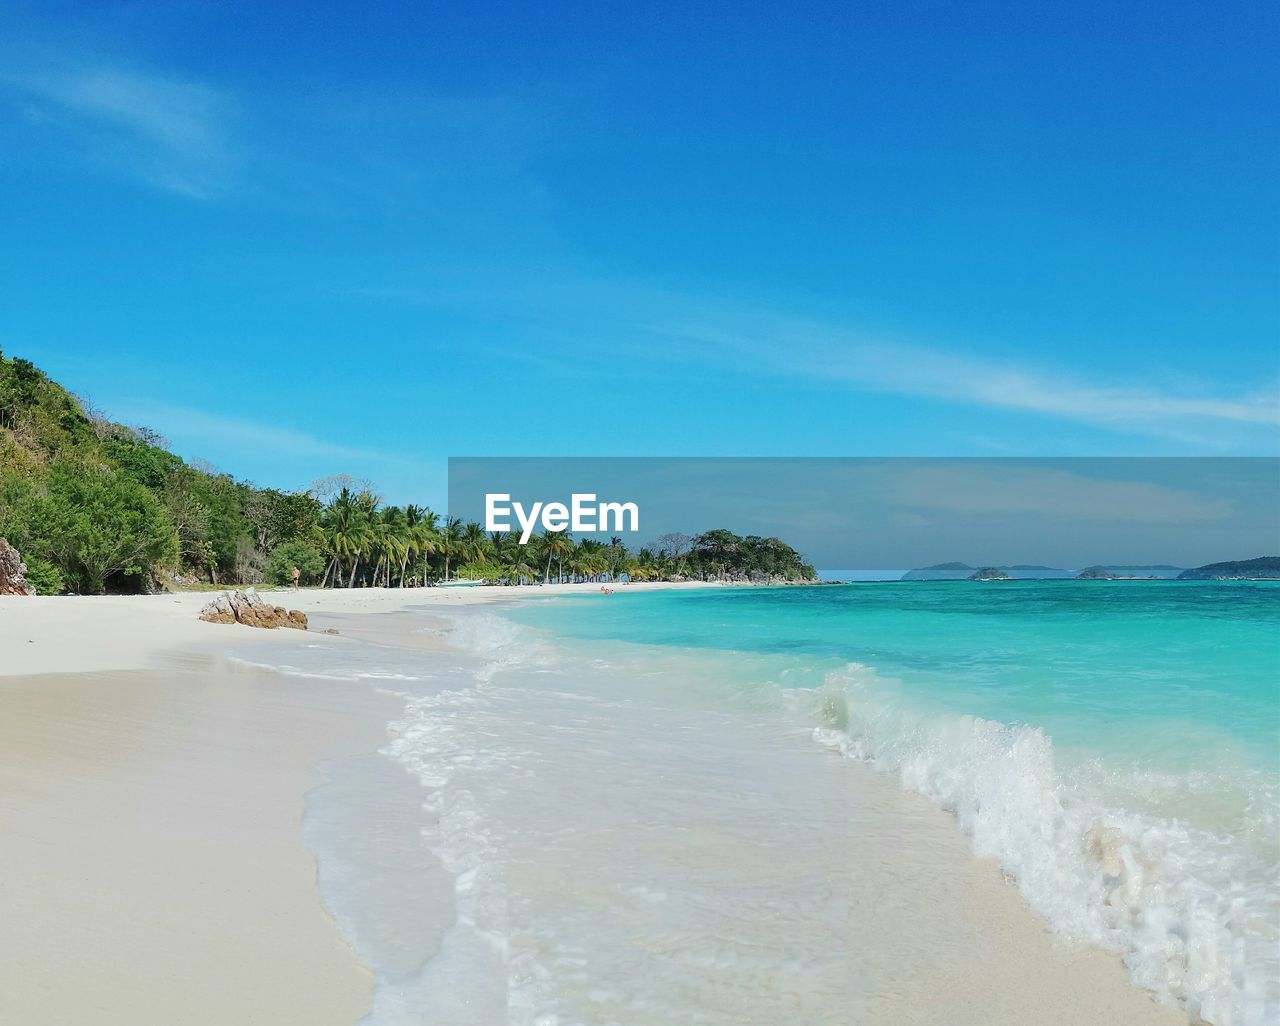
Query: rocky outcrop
x=248, y=608
x=13, y=572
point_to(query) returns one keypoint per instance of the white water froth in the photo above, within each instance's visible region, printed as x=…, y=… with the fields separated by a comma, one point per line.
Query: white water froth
x=593, y=822
x=1193, y=913
x=594, y=880
x=470, y=982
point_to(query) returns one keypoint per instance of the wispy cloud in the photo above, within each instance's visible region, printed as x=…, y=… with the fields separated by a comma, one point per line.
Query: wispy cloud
x=660, y=330
x=170, y=132
x=831, y=354
x=199, y=427
x=912, y=370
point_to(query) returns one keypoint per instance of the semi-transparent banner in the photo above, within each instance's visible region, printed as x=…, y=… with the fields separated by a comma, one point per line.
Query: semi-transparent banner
x=896, y=514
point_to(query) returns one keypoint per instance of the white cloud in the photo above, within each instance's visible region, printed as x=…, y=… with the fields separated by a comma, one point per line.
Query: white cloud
x=925, y=372
x=659, y=330
x=832, y=354
x=188, y=426
x=169, y=132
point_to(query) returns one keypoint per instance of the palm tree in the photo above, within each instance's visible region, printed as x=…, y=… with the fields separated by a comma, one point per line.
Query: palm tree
x=417, y=537
x=363, y=536
x=650, y=566
x=557, y=544
x=514, y=564
x=450, y=535
x=588, y=559
x=617, y=555
x=505, y=548
x=390, y=538
x=473, y=543
x=344, y=533
x=428, y=539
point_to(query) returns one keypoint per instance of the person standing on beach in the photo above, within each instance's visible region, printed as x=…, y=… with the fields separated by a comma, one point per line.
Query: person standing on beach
x=297, y=574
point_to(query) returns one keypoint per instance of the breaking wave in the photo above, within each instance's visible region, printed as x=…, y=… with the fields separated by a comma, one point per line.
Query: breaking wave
x=1192, y=912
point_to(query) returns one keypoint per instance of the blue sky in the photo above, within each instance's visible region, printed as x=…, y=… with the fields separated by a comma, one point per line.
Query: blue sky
x=303, y=239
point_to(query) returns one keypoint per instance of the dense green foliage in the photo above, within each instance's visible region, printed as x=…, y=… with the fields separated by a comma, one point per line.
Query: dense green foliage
x=722, y=554
x=287, y=555
x=96, y=506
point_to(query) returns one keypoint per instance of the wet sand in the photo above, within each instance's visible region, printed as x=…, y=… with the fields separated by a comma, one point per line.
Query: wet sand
x=154, y=867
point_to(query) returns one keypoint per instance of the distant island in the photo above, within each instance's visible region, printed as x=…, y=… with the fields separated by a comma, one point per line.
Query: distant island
x=1096, y=573
x=1264, y=568
x=940, y=572
x=965, y=572
x=1130, y=573
x=990, y=573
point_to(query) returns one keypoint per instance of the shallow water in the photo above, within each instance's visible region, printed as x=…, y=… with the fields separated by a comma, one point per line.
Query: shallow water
x=566, y=827
x=1114, y=744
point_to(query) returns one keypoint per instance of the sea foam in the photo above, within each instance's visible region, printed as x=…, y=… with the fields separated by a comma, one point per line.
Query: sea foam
x=1193, y=913
x=525, y=748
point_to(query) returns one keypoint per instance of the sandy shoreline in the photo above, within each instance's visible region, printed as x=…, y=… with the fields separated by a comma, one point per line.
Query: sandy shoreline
x=151, y=800
x=152, y=869
x=92, y=633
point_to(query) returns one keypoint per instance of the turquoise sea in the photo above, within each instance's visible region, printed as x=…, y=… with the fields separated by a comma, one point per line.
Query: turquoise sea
x=1115, y=744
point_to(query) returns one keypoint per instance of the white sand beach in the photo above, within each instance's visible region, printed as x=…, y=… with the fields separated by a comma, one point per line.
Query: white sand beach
x=151, y=797
x=154, y=866
x=89, y=633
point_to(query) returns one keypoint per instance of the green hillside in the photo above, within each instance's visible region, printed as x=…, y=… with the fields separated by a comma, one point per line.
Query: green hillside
x=95, y=506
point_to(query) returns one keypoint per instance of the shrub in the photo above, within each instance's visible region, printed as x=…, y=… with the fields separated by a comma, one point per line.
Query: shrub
x=92, y=527
x=44, y=577
x=283, y=558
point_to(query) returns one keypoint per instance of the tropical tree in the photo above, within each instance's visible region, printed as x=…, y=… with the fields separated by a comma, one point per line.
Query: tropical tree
x=717, y=548
x=450, y=536
x=556, y=545
x=473, y=543
x=588, y=559
x=516, y=566
x=390, y=540
x=344, y=533
x=419, y=536
x=366, y=536
x=617, y=556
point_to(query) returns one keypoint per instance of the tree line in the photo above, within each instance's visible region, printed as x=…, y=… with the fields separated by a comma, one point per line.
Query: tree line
x=96, y=506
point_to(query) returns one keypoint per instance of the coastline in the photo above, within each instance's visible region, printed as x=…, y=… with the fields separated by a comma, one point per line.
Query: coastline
x=152, y=869
x=207, y=882
x=95, y=633
x=151, y=795
x=718, y=856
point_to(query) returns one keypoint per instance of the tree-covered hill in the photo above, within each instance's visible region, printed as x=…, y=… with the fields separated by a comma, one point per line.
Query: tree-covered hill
x=1264, y=568
x=96, y=506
